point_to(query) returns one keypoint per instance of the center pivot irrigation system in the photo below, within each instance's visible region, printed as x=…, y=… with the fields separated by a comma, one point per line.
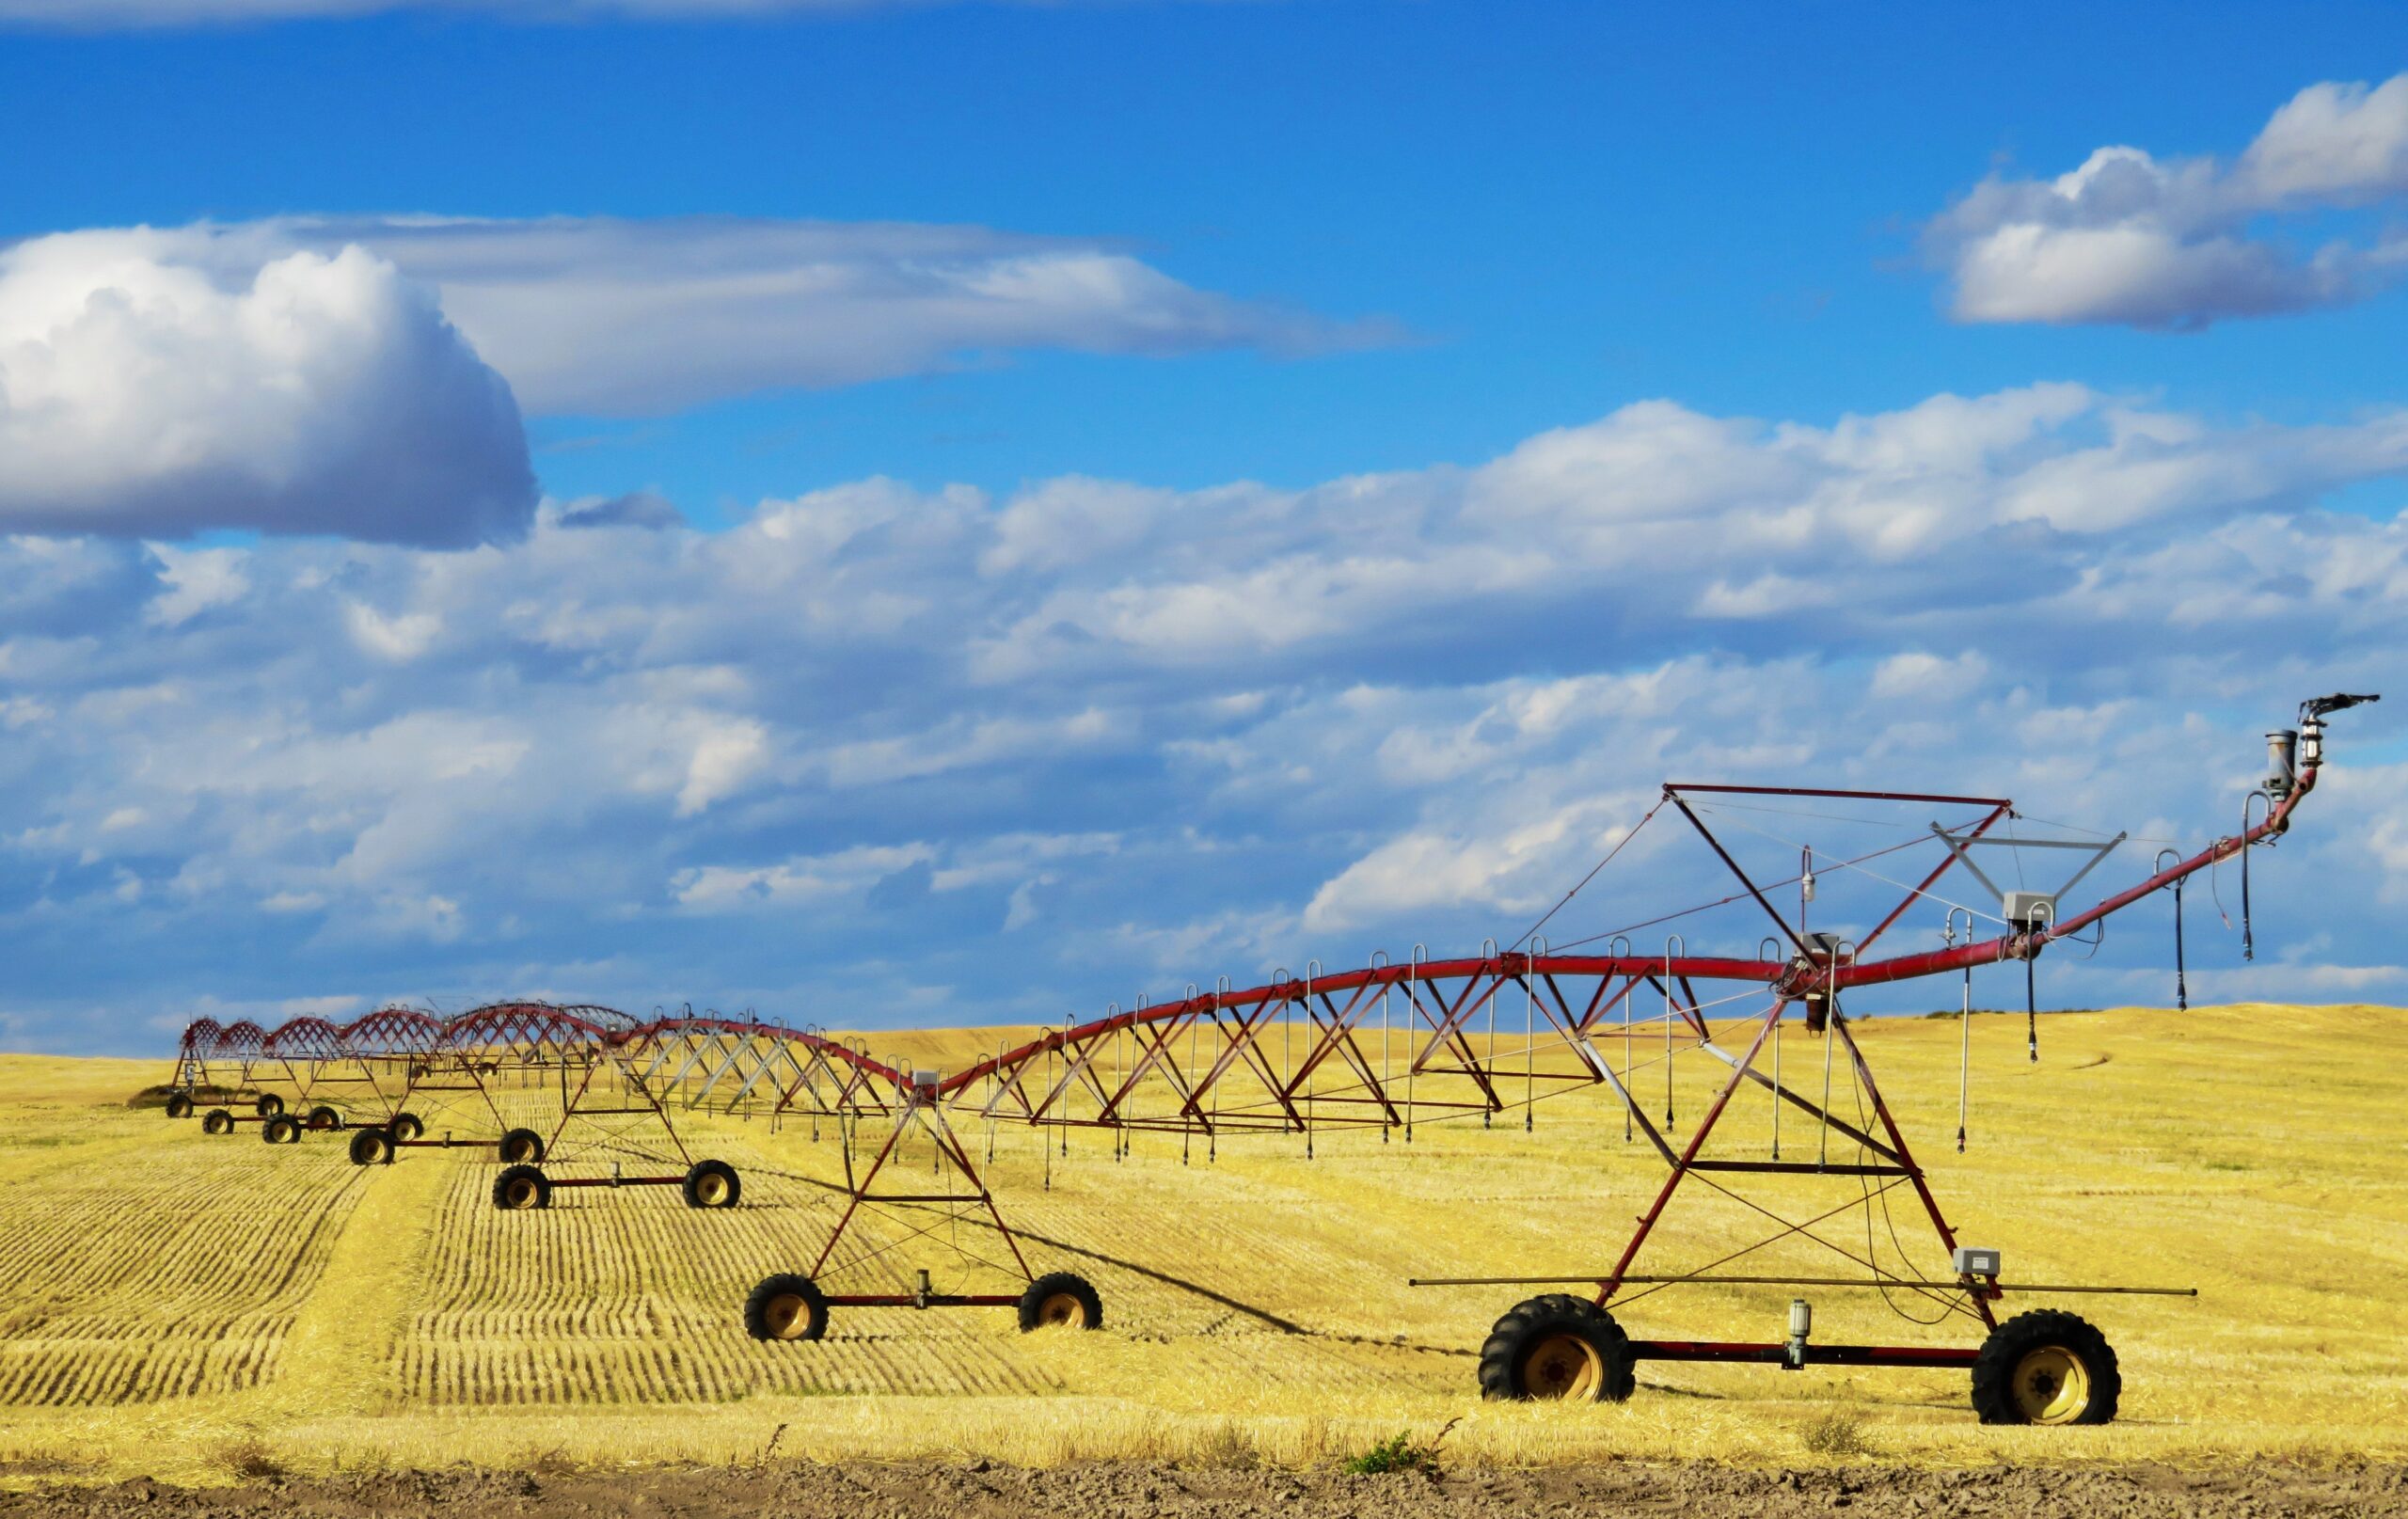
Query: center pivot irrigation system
x=1391, y=1047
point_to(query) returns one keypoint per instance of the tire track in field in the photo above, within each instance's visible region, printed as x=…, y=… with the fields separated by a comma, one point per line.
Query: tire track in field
x=341, y=1344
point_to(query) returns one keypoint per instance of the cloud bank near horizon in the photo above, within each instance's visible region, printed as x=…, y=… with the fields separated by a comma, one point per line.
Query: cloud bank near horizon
x=886, y=755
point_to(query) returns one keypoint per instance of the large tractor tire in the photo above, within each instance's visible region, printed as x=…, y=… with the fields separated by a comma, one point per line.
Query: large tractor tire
x=2045, y=1368
x=712, y=1184
x=324, y=1119
x=521, y=1189
x=1557, y=1346
x=217, y=1121
x=371, y=1146
x=786, y=1306
x=406, y=1127
x=180, y=1105
x=283, y=1129
x=522, y=1146
x=1059, y=1299
x=268, y=1105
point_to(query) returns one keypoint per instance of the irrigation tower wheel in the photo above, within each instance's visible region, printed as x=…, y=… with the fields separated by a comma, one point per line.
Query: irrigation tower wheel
x=217, y=1121
x=1060, y=1299
x=406, y=1126
x=522, y=1146
x=2045, y=1368
x=712, y=1184
x=269, y=1106
x=521, y=1189
x=283, y=1129
x=372, y=1146
x=179, y=1104
x=1557, y=1346
x=323, y=1119
x=786, y=1306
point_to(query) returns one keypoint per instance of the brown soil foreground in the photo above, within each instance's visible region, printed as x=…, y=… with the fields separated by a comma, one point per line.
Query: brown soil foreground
x=861, y=1491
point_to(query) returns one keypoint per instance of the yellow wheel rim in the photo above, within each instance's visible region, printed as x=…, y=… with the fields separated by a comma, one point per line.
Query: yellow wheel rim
x=520, y=1194
x=1563, y=1365
x=520, y=1150
x=2052, y=1385
x=1063, y=1308
x=785, y=1316
x=712, y=1189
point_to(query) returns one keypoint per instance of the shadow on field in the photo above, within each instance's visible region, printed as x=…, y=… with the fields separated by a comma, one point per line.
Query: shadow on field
x=1259, y=1314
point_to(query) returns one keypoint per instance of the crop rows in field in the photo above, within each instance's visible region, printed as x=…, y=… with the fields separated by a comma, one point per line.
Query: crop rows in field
x=715, y=1364
x=630, y=1296
x=181, y=1272
x=162, y=1269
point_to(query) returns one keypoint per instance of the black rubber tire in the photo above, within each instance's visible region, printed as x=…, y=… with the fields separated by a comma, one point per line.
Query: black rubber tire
x=217, y=1121
x=371, y=1146
x=1994, y=1368
x=269, y=1106
x=1505, y=1370
x=520, y=1188
x=521, y=1147
x=180, y=1105
x=1059, y=1297
x=786, y=1306
x=712, y=1184
x=283, y=1129
x=323, y=1119
x=406, y=1126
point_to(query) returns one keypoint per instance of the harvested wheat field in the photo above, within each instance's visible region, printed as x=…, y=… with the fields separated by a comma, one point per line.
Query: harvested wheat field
x=200, y=1309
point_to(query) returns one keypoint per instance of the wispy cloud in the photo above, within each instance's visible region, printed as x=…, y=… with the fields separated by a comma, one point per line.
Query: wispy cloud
x=600, y=314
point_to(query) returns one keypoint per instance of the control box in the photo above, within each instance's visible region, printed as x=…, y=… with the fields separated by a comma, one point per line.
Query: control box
x=2022, y=908
x=1970, y=1262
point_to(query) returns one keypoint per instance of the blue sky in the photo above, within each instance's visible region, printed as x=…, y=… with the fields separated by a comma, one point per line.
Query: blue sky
x=947, y=512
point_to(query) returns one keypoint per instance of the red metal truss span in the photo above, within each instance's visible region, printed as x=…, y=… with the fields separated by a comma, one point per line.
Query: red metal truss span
x=243, y=1039
x=305, y=1038
x=201, y=1035
x=1381, y=1045
x=390, y=1032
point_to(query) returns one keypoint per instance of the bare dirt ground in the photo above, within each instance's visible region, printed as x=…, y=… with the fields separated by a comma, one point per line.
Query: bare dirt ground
x=980, y=1491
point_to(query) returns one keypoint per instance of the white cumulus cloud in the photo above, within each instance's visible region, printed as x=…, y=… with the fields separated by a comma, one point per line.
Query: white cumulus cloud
x=146, y=391
x=2131, y=238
